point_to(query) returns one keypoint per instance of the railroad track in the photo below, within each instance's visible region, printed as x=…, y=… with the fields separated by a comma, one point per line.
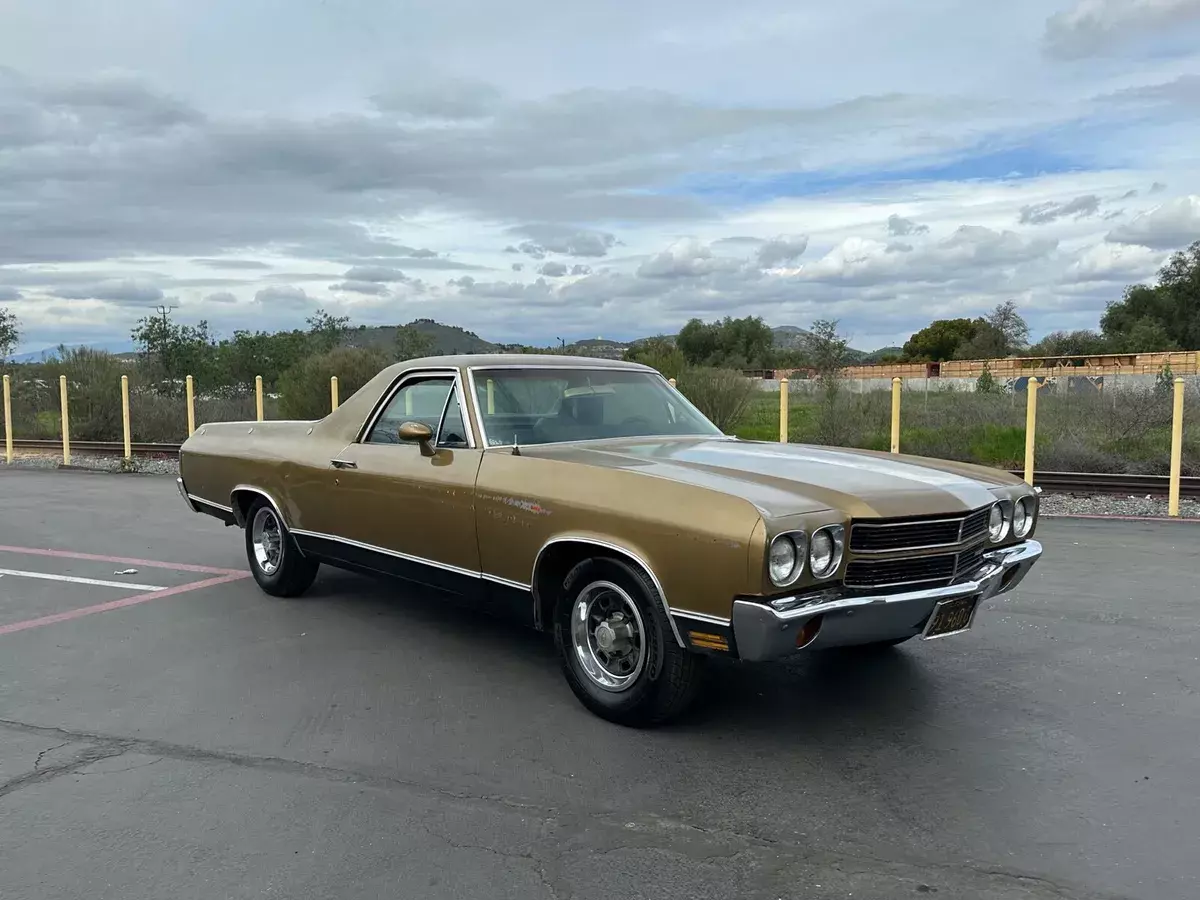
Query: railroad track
x=1059, y=482
x=109, y=448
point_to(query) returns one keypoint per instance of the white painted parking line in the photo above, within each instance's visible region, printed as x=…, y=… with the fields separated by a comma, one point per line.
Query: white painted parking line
x=76, y=580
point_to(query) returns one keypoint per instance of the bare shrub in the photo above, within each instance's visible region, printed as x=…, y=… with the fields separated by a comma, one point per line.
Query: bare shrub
x=723, y=395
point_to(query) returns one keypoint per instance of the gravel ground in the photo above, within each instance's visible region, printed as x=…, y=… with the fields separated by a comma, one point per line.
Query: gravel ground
x=1053, y=504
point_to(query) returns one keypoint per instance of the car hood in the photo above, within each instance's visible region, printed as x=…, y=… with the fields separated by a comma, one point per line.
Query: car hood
x=788, y=479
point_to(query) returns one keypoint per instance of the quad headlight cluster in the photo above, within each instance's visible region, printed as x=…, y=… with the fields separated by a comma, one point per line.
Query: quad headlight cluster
x=1006, y=515
x=791, y=551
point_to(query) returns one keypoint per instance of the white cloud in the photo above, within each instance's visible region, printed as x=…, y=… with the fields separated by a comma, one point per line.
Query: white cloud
x=1171, y=226
x=1095, y=27
x=1111, y=262
x=625, y=167
x=284, y=297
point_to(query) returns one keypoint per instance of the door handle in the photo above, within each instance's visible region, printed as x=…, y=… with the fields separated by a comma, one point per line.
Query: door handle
x=344, y=464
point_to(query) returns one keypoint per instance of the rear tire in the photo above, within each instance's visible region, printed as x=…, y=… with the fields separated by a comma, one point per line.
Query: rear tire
x=616, y=646
x=275, y=561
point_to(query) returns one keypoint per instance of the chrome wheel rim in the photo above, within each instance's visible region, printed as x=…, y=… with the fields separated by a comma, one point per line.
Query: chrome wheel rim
x=267, y=539
x=608, y=636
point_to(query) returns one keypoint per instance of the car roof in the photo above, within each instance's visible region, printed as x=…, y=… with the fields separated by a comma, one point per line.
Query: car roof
x=494, y=360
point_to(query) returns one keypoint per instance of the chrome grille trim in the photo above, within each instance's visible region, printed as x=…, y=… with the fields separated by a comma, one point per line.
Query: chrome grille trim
x=882, y=536
x=893, y=553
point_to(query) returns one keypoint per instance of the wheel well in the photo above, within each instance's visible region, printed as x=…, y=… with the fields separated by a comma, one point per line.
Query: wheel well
x=556, y=561
x=242, y=498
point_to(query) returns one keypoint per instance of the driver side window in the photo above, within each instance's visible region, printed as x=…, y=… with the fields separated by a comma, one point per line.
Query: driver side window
x=430, y=401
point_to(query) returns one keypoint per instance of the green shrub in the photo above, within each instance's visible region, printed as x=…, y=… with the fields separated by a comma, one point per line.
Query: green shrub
x=304, y=388
x=723, y=395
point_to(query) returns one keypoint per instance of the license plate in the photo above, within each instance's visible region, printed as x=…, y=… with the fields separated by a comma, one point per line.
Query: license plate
x=951, y=617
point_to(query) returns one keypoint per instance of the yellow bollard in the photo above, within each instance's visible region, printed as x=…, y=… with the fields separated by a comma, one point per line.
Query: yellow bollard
x=1176, y=449
x=1031, y=389
x=191, y=405
x=491, y=397
x=896, y=385
x=125, y=415
x=66, y=426
x=671, y=382
x=783, y=410
x=333, y=392
x=8, y=451
x=258, y=406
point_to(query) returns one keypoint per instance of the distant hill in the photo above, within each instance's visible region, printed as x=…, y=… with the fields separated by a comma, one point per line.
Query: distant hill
x=450, y=339
x=447, y=339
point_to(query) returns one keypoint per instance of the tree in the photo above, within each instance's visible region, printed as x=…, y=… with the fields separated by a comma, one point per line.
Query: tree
x=172, y=351
x=327, y=331
x=1167, y=313
x=412, y=343
x=986, y=382
x=733, y=343
x=828, y=355
x=9, y=332
x=1000, y=333
x=658, y=353
x=939, y=340
x=1081, y=342
x=1006, y=320
x=304, y=388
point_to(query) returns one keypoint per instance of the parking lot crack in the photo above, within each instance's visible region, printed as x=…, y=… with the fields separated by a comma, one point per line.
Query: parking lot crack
x=37, y=763
x=83, y=759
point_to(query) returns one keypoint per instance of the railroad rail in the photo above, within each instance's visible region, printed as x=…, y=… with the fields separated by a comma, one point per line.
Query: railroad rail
x=1059, y=482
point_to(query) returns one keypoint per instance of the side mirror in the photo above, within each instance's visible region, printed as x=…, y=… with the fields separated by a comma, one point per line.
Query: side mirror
x=419, y=432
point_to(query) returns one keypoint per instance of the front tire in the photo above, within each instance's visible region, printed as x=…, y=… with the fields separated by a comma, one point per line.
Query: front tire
x=275, y=560
x=616, y=647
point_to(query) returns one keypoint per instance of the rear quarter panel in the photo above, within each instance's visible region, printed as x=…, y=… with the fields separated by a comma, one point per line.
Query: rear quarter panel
x=696, y=541
x=284, y=459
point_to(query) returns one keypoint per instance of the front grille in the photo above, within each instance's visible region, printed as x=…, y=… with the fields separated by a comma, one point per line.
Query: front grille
x=874, y=573
x=884, y=535
x=938, y=570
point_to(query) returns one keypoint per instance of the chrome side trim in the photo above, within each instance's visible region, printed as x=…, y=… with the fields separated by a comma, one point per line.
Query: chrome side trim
x=401, y=380
x=700, y=617
x=616, y=548
x=187, y=498
x=506, y=582
x=204, y=502
x=768, y=631
x=407, y=557
x=254, y=490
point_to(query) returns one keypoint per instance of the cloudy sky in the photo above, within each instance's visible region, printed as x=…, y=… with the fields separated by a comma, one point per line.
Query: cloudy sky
x=532, y=170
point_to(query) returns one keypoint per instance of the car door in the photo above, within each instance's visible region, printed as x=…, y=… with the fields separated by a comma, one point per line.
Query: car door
x=408, y=508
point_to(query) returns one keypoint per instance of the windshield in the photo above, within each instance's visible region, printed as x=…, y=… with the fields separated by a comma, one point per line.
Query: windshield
x=544, y=406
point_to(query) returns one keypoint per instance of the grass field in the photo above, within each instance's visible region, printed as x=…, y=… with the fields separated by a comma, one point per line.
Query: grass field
x=1124, y=432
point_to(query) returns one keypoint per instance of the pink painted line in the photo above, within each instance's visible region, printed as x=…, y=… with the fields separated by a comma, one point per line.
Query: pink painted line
x=120, y=604
x=1191, y=519
x=123, y=560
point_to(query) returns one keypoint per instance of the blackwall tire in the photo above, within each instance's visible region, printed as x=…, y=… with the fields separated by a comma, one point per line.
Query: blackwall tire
x=275, y=561
x=616, y=647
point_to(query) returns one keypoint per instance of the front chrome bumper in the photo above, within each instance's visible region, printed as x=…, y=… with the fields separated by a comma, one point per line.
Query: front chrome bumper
x=768, y=631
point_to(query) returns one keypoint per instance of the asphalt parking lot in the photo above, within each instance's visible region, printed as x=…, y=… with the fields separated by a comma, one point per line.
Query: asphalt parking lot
x=173, y=732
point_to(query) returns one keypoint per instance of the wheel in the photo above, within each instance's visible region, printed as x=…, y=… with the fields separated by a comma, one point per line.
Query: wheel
x=616, y=646
x=276, y=563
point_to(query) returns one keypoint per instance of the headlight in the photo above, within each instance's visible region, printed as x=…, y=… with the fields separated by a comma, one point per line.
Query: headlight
x=825, y=554
x=1023, y=517
x=784, y=562
x=997, y=523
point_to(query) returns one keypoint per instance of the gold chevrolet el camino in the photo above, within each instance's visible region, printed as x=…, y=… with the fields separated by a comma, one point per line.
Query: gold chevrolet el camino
x=591, y=499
